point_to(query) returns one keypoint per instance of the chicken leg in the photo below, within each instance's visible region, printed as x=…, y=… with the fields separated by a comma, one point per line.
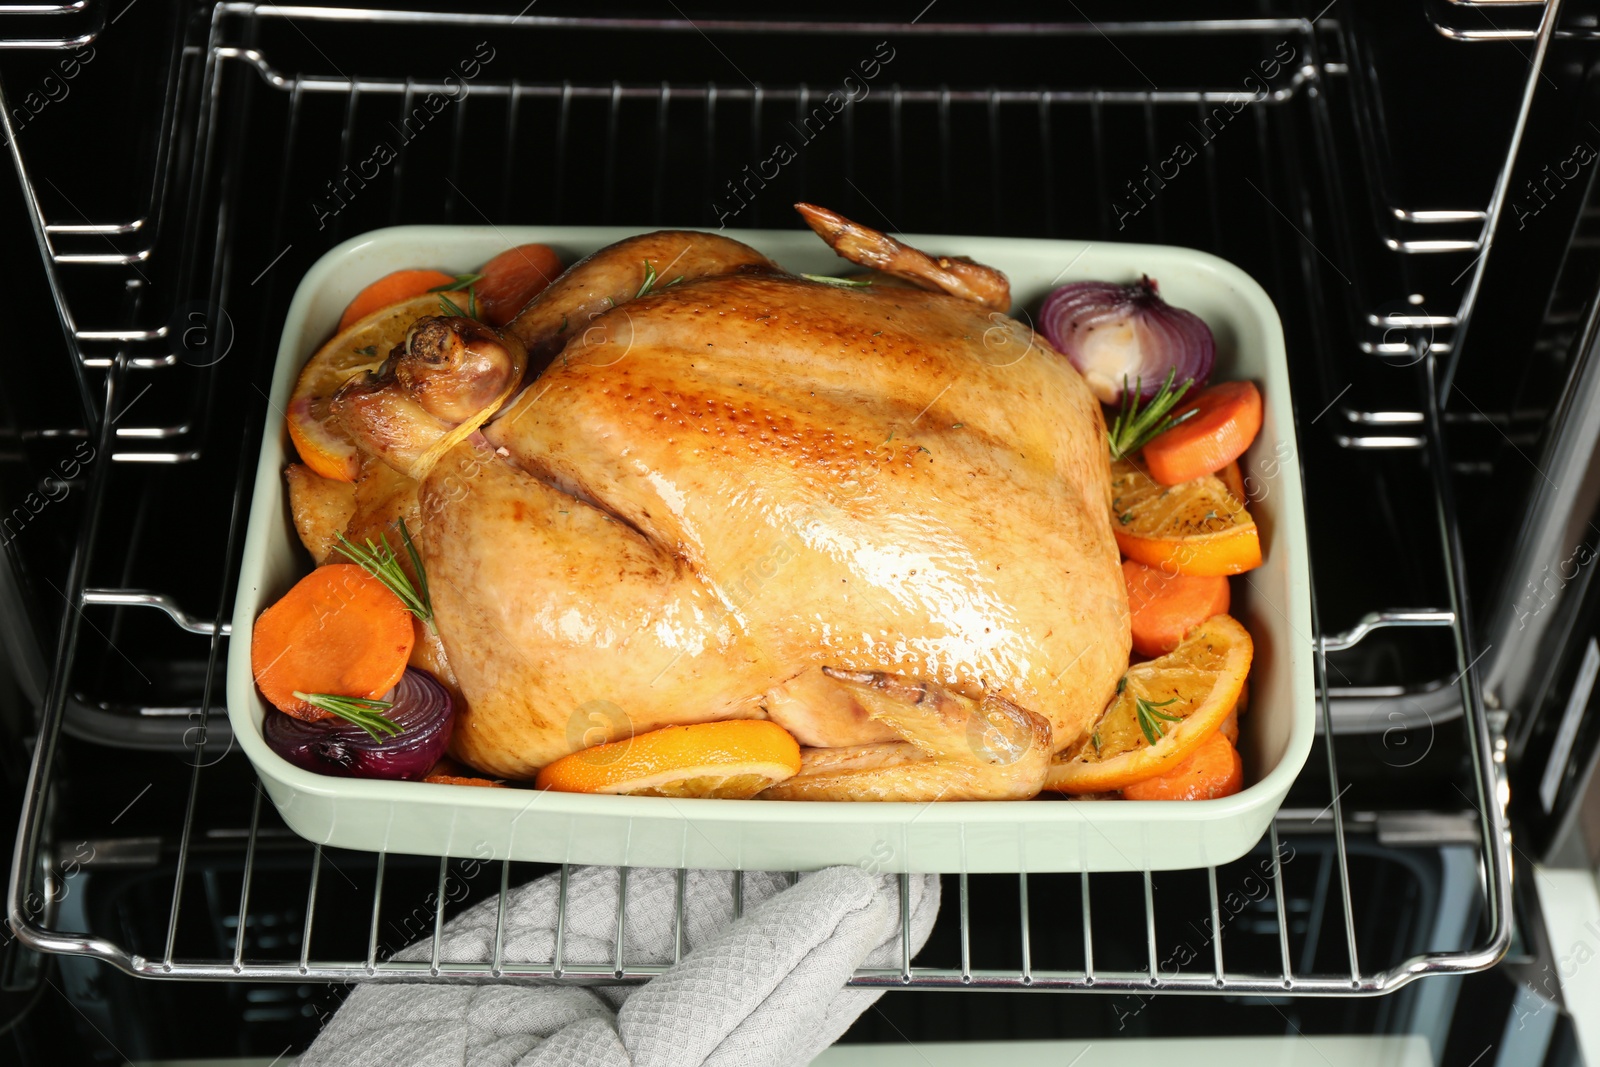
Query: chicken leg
x=954, y=748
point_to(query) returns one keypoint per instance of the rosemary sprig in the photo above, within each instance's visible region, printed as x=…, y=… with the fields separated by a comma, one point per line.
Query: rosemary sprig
x=380, y=561
x=460, y=281
x=1134, y=426
x=466, y=282
x=1150, y=720
x=649, y=280
x=422, y=574
x=367, y=714
x=843, y=283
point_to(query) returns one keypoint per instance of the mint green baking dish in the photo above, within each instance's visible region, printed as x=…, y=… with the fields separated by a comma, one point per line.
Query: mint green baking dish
x=1273, y=602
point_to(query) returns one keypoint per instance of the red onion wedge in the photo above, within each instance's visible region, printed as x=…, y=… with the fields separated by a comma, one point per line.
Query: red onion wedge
x=1115, y=333
x=421, y=707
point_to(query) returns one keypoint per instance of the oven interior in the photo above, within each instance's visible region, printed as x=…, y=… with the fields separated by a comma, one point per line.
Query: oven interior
x=169, y=192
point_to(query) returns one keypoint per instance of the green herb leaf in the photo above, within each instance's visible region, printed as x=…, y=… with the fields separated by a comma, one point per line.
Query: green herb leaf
x=450, y=307
x=1151, y=720
x=380, y=561
x=421, y=572
x=461, y=281
x=1095, y=737
x=369, y=350
x=364, y=713
x=649, y=280
x=675, y=281
x=1134, y=427
x=843, y=283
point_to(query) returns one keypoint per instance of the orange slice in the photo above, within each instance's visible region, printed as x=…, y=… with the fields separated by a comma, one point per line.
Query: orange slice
x=1233, y=478
x=364, y=346
x=732, y=760
x=1161, y=713
x=1230, y=725
x=1194, y=528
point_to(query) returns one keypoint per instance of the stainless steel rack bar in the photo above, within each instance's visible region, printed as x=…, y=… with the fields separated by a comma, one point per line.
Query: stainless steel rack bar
x=1548, y=25
x=528, y=21
x=87, y=19
x=1333, y=829
x=1378, y=620
x=139, y=598
x=617, y=91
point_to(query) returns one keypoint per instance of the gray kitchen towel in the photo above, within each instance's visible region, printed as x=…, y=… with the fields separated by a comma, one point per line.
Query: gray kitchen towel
x=766, y=989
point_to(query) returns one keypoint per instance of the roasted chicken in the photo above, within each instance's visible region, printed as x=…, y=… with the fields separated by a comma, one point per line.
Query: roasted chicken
x=874, y=514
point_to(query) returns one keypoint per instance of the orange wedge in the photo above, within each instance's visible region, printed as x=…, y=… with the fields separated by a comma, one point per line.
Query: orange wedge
x=364, y=346
x=731, y=760
x=1164, y=709
x=1233, y=478
x=1193, y=528
x=1230, y=727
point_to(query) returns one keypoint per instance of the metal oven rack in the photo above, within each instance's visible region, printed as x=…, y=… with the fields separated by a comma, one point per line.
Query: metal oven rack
x=215, y=861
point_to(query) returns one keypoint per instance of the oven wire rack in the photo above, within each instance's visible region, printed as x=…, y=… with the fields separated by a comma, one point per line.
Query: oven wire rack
x=37, y=882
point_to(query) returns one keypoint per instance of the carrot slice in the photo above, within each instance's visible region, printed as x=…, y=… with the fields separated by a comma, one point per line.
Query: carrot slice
x=1165, y=605
x=1214, y=770
x=394, y=288
x=513, y=278
x=1226, y=419
x=339, y=631
x=449, y=771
